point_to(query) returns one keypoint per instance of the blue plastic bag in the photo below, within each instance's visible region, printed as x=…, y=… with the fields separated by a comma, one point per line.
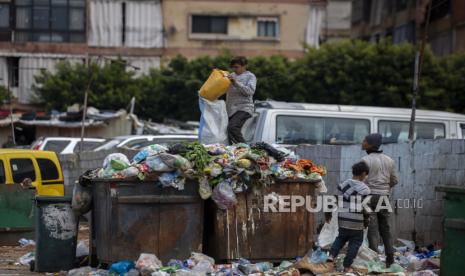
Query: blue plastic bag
x=122, y=267
x=319, y=256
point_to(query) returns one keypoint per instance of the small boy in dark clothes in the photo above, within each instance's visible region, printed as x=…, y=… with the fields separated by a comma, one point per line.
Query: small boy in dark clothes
x=352, y=221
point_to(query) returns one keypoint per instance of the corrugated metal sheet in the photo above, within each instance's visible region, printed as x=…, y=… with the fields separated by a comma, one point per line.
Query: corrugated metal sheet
x=144, y=64
x=106, y=23
x=144, y=24
x=31, y=66
x=314, y=24
x=143, y=27
x=28, y=68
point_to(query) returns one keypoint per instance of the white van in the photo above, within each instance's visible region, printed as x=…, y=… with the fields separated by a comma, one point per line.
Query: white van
x=300, y=123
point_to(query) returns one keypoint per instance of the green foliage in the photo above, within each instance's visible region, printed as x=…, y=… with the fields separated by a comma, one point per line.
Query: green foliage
x=3, y=93
x=347, y=72
x=112, y=86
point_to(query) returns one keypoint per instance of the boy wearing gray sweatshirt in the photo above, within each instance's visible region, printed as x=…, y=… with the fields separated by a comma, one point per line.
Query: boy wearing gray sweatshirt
x=351, y=220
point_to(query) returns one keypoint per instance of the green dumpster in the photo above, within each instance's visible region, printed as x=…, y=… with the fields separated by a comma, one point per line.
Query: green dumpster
x=16, y=214
x=453, y=253
x=56, y=234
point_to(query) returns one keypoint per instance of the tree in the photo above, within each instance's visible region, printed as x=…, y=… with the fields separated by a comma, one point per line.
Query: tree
x=112, y=85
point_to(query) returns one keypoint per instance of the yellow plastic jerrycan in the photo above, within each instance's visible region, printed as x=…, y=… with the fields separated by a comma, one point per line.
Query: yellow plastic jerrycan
x=215, y=86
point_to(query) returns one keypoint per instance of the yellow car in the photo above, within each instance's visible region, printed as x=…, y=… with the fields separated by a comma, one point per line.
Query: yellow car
x=41, y=169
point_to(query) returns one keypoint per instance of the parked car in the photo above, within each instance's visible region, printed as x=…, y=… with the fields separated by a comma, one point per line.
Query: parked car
x=140, y=141
x=66, y=145
x=41, y=167
x=300, y=123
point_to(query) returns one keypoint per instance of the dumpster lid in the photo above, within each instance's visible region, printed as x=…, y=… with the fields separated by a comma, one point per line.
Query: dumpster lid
x=450, y=189
x=54, y=199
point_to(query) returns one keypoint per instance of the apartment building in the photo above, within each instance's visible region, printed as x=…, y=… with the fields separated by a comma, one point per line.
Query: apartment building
x=404, y=21
x=253, y=27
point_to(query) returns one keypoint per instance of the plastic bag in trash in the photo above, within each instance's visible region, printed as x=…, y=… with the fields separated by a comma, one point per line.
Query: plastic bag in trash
x=205, y=190
x=27, y=258
x=82, y=249
x=121, y=267
x=130, y=172
x=160, y=273
x=204, y=267
x=329, y=232
x=119, y=165
x=25, y=242
x=175, y=161
x=148, y=262
x=318, y=256
x=155, y=164
x=86, y=270
x=366, y=254
x=148, y=151
x=213, y=122
x=197, y=257
x=172, y=179
x=117, y=157
x=224, y=196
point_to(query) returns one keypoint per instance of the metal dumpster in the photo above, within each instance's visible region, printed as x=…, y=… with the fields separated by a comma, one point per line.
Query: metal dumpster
x=16, y=214
x=130, y=217
x=453, y=253
x=246, y=231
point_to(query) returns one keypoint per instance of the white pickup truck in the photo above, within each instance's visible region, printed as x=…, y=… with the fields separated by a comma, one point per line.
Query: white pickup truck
x=300, y=123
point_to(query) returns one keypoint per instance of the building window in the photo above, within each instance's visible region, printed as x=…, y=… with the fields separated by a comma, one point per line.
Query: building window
x=404, y=33
x=439, y=9
x=267, y=27
x=5, y=31
x=202, y=24
x=357, y=11
x=13, y=71
x=50, y=20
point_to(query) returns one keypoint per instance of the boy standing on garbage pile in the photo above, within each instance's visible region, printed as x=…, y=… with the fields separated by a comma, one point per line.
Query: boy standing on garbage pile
x=239, y=98
x=352, y=219
x=381, y=179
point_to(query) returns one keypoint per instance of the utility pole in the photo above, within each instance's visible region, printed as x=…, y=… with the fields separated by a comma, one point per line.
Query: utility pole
x=86, y=93
x=417, y=72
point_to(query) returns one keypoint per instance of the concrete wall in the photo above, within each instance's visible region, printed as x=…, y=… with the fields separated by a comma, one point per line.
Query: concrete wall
x=422, y=167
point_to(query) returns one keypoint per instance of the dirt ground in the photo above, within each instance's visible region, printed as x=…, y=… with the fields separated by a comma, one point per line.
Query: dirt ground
x=9, y=256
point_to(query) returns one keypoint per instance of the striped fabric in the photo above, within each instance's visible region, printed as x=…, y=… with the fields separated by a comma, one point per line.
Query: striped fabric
x=351, y=217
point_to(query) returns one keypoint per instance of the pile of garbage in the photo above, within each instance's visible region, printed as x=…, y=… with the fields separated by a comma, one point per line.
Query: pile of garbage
x=409, y=258
x=197, y=265
x=220, y=170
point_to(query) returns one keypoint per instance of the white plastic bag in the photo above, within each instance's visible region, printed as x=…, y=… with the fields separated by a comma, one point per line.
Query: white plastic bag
x=213, y=127
x=329, y=232
x=148, y=263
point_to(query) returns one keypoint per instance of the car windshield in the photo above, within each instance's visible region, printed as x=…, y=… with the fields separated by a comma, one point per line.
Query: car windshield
x=109, y=144
x=294, y=130
x=163, y=141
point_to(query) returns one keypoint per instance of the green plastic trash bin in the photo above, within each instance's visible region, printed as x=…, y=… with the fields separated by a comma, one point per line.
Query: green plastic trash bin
x=453, y=253
x=56, y=234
